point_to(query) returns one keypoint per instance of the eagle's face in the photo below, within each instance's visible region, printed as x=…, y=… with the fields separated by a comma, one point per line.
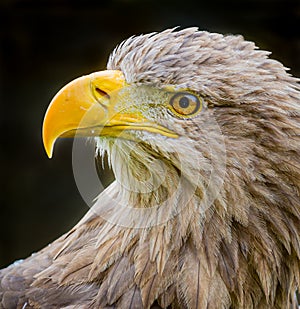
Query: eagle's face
x=184, y=105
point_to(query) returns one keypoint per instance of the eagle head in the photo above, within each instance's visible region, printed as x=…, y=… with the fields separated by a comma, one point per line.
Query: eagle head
x=202, y=133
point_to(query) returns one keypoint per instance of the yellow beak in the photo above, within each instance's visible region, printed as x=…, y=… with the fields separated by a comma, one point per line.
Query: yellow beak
x=86, y=107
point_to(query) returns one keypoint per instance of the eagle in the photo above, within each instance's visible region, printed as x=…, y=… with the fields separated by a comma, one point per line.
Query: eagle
x=202, y=132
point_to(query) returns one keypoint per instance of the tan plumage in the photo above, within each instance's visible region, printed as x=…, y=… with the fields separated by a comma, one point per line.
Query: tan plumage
x=230, y=192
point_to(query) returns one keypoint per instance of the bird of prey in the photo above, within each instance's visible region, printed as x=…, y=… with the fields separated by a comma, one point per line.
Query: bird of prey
x=202, y=132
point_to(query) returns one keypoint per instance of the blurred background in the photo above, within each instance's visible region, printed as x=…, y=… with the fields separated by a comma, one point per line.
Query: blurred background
x=47, y=43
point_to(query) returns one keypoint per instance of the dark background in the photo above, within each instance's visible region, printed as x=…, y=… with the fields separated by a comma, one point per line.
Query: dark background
x=45, y=44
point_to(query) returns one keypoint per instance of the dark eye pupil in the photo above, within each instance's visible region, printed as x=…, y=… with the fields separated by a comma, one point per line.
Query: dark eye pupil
x=184, y=102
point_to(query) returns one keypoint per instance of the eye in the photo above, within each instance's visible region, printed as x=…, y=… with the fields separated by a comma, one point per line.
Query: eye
x=185, y=104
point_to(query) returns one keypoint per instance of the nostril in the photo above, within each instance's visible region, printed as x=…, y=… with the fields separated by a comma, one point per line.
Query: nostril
x=101, y=92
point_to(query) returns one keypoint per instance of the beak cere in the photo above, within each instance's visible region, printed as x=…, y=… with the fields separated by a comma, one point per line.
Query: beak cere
x=78, y=106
